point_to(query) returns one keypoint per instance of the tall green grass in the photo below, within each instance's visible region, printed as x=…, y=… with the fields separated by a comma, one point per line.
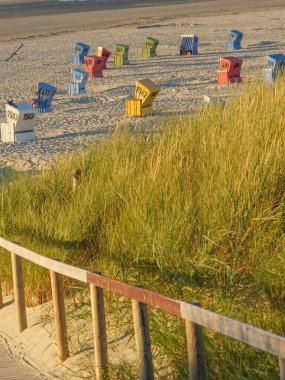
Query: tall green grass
x=193, y=209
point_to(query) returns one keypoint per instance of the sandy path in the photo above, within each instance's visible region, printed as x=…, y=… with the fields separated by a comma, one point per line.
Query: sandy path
x=79, y=120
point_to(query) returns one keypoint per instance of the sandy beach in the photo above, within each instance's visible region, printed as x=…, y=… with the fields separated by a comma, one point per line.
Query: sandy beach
x=79, y=120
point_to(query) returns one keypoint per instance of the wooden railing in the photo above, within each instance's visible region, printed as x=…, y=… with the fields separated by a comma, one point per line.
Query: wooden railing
x=195, y=317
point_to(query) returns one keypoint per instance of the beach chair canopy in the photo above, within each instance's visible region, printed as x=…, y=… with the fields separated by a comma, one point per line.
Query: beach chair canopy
x=146, y=91
x=232, y=65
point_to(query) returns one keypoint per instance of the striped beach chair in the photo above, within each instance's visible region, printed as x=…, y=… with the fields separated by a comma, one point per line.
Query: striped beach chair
x=80, y=51
x=275, y=67
x=234, y=42
x=189, y=44
x=45, y=95
x=79, y=79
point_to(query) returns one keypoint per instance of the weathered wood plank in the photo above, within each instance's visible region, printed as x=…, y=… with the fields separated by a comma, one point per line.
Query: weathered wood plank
x=99, y=332
x=19, y=292
x=243, y=332
x=132, y=292
x=282, y=368
x=196, y=350
x=45, y=262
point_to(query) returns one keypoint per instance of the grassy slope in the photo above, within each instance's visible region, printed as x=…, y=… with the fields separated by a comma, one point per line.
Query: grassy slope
x=195, y=211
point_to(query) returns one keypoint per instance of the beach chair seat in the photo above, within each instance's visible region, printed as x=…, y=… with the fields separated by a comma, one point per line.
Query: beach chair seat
x=121, y=56
x=45, y=95
x=80, y=51
x=94, y=66
x=234, y=42
x=275, y=67
x=189, y=44
x=20, y=122
x=145, y=93
x=230, y=70
x=105, y=55
x=79, y=79
x=149, y=50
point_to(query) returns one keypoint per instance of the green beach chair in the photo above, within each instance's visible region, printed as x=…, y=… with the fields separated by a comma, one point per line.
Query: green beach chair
x=121, y=56
x=149, y=51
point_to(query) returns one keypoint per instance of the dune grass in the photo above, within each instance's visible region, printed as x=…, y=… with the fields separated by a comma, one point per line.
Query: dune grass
x=194, y=210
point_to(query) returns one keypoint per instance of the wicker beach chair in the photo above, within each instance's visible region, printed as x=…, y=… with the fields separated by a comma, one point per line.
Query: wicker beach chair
x=80, y=51
x=275, y=67
x=189, y=44
x=145, y=94
x=45, y=95
x=230, y=70
x=20, y=122
x=234, y=42
x=121, y=56
x=79, y=78
x=149, y=50
x=94, y=66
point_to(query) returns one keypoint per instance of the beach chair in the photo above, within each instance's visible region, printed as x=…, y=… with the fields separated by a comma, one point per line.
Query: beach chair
x=121, y=56
x=234, y=42
x=214, y=100
x=149, y=50
x=105, y=55
x=94, y=66
x=80, y=51
x=79, y=78
x=275, y=67
x=145, y=94
x=20, y=122
x=45, y=95
x=230, y=70
x=189, y=44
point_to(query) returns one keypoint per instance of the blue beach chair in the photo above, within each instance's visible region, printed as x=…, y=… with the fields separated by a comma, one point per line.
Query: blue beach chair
x=234, y=42
x=45, y=95
x=80, y=51
x=189, y=44
x=79, y=78
x=275, y=67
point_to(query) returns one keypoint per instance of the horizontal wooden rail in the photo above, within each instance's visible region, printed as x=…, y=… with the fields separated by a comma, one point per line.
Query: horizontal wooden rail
x=258, y=338
x=45, y=262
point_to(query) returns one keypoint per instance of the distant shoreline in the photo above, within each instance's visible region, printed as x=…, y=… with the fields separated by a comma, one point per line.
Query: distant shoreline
x=24, y=19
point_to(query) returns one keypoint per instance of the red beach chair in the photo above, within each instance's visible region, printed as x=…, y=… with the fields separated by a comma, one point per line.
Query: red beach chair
x=104, y=54
x=230, y=73
x=94, y=66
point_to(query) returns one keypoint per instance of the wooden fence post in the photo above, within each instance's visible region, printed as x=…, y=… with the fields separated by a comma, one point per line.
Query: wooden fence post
x=142, y=336
x=196, y=350
x=59, y=315
x=76, y=175
x=99, y=332
x=19, y=292
x=282, y=368
x=1, y=296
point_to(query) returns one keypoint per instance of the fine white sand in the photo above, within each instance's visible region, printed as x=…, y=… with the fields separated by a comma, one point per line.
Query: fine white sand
x=79, y=120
